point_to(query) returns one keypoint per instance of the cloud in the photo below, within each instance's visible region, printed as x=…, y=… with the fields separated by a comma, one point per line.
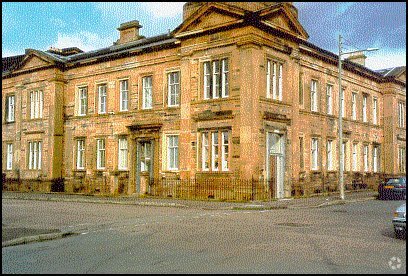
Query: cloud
x=10, y=53
x=163, y=9
x=84, y=40
x=386, y=58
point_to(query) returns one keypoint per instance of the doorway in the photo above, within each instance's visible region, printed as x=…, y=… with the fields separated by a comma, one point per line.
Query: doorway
x=144, y=167
x=275, y=163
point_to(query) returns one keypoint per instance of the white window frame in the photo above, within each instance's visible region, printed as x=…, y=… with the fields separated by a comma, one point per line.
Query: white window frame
x=216, y=84
x=102, y=98
x=268, y=79
x=375, y=159
x=215, y=166
x=9, y=158
x=280, y=82
x=100, y=154
x=10, y=116
x=313, y=96
x=147, y=90
x=355, y=156
x=274, y=88
x=224, y=150
x=365, y=97
x=34, y=158
x=173, y=93
x=36, y=104
x=124, y=95
x=365, y=158
x=375, y=110
x=329, y=99
x=82, y=100
x=401, y=115
x=314, y=154
x=172, y=152
x=122, y=153
x=329, y=155
x=205, y=152
x=80, y=162
x=354, y=106
x=224, y=80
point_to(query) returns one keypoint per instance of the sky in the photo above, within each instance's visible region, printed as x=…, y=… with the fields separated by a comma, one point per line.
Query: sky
x=93, y=25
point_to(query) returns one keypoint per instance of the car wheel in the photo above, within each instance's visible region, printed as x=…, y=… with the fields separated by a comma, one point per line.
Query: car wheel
x=400, y=234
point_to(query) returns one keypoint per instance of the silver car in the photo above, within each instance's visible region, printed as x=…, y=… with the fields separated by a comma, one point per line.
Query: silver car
x=399, y=221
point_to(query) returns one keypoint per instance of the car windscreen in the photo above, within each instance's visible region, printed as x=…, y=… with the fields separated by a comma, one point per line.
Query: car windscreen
x=397, y=181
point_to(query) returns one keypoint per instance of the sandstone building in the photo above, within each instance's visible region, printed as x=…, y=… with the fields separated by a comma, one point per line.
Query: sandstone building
x=236, y=91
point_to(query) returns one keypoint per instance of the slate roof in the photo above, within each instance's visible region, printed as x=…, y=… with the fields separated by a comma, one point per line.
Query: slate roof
x=392, y=72
x=7, y=63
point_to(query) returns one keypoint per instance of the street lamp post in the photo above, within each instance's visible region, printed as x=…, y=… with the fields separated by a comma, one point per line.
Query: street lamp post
x=341, y=95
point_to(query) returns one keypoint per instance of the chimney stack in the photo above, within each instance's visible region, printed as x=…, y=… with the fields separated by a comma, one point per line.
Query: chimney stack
x=357, y=57
x=129, y=31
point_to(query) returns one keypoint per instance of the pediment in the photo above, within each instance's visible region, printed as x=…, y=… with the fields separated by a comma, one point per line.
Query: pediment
x=282, y=19
x=210, y=16
x=33, y=61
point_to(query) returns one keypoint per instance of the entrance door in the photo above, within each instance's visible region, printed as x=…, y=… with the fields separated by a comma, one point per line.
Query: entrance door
x=144, y=173
x=275, y=163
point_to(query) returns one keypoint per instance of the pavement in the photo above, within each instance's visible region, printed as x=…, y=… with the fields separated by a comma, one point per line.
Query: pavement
x=27, y=235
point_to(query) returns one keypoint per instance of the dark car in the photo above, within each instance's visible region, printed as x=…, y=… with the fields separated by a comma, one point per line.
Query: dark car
x=393, y=188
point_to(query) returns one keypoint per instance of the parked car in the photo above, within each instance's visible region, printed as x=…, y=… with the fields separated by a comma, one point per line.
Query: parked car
x=399, y=221
x=393, y=188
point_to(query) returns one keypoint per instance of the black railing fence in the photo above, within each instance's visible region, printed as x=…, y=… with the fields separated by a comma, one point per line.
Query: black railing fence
x=207, y=188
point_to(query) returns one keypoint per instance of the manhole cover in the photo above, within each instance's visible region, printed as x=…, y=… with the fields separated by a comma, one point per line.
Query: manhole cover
x=293, y=224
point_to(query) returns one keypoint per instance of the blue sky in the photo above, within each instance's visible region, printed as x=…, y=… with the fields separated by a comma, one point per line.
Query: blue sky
x=92, y=25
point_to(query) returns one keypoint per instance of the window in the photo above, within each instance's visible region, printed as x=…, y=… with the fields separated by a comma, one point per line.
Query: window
x=124, y=95
x=172, y=152
x=219, y=141
x=145, y=156
x=365, y=108
x=375, y=159
x=83, y=101
x=329, y=155
x=355, y=161
x=122, y=154
x=216, y=84
x=354, y=106
x=313, y=96
x=100, y=154
x=147, y=92
x=102, y=99
x=274, y=80
x=375, y=107
x=9, y=161
x=214, y=152
x=10, y=106
x=401, y=114
x=80, y=154
x=36, y=104
x=365, y=157
x=224, y=151
x=329, y=99
x=343, y=106
x=401, y=160
x=314, y=154
x=34, y=155
x=174, y=89
x=205, y=152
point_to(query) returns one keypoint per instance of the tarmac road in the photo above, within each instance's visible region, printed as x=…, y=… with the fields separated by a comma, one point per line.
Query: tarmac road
x=350, y=238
